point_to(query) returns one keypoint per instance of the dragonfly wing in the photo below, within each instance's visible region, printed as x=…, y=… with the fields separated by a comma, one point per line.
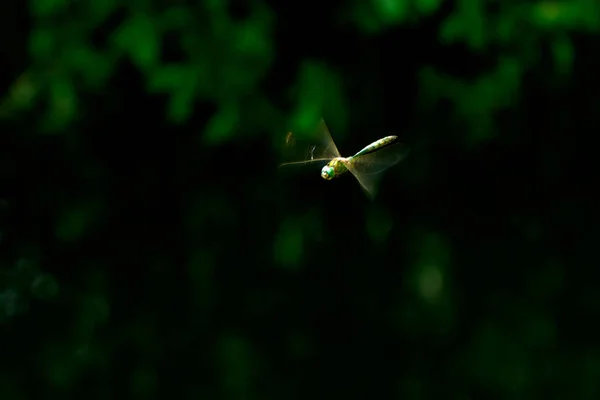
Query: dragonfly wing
x=368, y=169
x=324, y=138
x=380, y=160
x=318, y=149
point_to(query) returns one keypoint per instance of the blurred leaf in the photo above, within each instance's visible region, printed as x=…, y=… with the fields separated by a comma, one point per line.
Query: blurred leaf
x=141, y=39
x=473, y=18
x=546, y=283
x=27, y=267
x=170, y=78
x=476, y=101
x=364, y=15
x=223, y=124
x=318, y=92
x=311, y=88
x=94, y=311
x=379, y=224
x=21, y=95
x=144, y=381
x=95, y=67
x=44, y=286
x=505, y=29
x=428, y=6
x=202, y=274
x=539, y=331
x=237, y=365
x=498, y=361
x=552, y=14
x=142, y=331
x=74, y=222
x=63, y=104
x=181, y=104
x=42, y=44
x=299, y=345
x=468, y=24
x=10, y=389
x=434, y=249
x=412, y=385
x=99, y=10
x=451, y=29
x=252, y=38
x=180, y=81
x=429, y=273
x=563, y=52
x=392, y=10
x=12, y=303
x=175, y=17
x=431, y=282
x=289, y=243
x=590, y=15
x=60, y=368
x=45, y=8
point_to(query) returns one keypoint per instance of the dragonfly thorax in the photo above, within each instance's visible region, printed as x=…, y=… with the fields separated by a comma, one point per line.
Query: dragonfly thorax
x=334, y=168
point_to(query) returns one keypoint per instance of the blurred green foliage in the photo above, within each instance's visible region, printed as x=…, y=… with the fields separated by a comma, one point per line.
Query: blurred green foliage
x=261, y=275
x=225, y=59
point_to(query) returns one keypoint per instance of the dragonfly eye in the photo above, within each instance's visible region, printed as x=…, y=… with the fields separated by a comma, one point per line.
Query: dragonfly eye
x=327, y=172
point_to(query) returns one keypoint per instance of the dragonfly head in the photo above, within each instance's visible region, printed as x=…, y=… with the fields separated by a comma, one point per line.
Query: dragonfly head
x=327, y=173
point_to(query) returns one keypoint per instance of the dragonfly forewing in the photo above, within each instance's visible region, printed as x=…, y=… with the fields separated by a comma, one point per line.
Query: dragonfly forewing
x=320, y=147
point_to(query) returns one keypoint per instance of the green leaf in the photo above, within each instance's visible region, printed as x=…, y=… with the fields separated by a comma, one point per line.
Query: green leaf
x=563, y=52
x=554, y=14
x=63, y=104
x=451, y=29
x=140, y=38
x=181, y=105
x=94, y=310
x=21, y=95
x=379, y=224
x=171, y=77
x=95, y=67
x=45, y=8
x=144, y=381
x=100, y=9
x=474, y=19
x=74, y=222
x=287, y=249
x=236, y=364
x=392, y=10
x=427, y=7
x=318, y=89
x=201, y=270
x=175, y=17
x=222, y=125
x=42, y=43
x=44, y=286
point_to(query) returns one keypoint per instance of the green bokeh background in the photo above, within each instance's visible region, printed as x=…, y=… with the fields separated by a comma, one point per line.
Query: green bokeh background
x=150, y=248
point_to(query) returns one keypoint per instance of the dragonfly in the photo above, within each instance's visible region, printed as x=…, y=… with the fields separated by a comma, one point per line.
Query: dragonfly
x=367, y=165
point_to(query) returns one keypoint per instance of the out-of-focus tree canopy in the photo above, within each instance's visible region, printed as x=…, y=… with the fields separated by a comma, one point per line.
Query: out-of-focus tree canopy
x=150, y=248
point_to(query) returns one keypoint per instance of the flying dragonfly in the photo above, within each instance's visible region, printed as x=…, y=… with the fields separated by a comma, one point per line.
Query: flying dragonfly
x=367, y=165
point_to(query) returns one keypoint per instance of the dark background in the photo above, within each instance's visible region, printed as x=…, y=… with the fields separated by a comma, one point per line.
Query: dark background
x=150, y=248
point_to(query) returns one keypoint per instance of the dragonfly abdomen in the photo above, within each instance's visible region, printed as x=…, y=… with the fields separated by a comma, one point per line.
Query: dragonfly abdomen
x=376, y=145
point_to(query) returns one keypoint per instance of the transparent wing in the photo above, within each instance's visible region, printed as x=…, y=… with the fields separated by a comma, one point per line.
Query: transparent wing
x=319, y=148
x=368, y=169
